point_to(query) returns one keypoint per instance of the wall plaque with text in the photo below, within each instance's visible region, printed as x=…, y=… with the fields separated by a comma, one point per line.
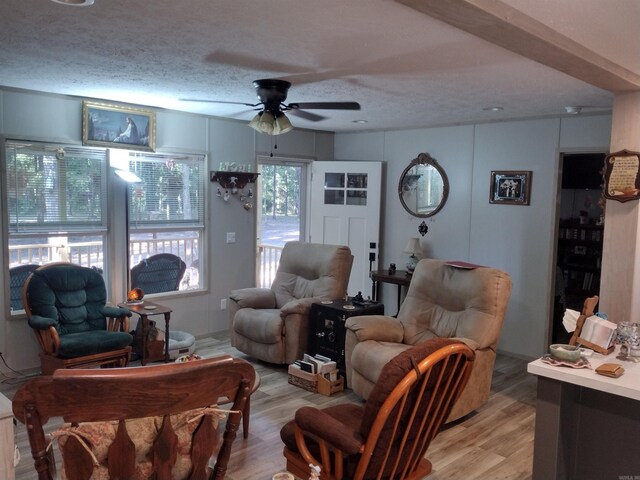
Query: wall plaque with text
x=621, y=176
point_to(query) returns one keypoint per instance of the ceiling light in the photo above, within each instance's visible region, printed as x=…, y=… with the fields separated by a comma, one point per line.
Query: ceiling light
x=267, y=122
x=75, y=3
x=360, y=121
x=573, y=110
x=493, y=109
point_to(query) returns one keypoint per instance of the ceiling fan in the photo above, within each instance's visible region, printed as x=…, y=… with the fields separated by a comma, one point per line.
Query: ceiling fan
x=271, y=118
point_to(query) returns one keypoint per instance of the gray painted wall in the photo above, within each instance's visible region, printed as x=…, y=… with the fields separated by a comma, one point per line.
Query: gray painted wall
x=517, y=239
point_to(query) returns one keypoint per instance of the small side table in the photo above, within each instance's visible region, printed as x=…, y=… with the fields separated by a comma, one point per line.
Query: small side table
x=327, y=331
x=399, y=277
x=145, y=310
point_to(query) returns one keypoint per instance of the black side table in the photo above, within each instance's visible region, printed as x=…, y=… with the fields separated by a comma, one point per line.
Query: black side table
x=327, y=330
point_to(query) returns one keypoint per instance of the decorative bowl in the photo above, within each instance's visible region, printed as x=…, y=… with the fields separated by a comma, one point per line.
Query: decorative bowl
x=566, y=353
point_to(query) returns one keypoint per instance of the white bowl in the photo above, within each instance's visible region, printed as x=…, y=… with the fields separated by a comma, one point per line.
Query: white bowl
x=564, y=352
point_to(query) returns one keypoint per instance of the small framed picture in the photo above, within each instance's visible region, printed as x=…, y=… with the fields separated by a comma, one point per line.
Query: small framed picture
x=115, y=126
x=510, y=187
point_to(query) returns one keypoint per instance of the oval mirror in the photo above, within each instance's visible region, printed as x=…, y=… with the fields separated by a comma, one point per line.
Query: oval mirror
x=423, y=187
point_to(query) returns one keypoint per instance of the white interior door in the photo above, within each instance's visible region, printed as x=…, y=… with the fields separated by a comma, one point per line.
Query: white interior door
x=345, y=210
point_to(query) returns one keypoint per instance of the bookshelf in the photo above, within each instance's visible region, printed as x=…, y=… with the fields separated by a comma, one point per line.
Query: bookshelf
x=580, y=257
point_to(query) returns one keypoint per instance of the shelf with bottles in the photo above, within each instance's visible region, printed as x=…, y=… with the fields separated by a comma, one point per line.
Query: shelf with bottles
x=575, y=231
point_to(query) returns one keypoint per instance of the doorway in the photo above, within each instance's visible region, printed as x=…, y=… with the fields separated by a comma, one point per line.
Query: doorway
x=281, y=216
x=580, y=236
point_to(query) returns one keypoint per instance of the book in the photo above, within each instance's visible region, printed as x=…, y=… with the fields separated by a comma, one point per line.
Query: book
x=598, y=331
x=320, y=366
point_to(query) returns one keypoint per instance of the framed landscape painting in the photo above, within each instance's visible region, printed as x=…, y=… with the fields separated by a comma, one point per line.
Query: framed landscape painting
x=510, y=187
x=115, y=126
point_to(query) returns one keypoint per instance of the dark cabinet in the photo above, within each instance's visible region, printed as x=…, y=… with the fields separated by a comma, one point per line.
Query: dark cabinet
x=327, y=330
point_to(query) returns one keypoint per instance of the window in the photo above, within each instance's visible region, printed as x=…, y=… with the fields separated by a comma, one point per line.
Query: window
x=56, y=207
x=345, y=189
x=166, y=211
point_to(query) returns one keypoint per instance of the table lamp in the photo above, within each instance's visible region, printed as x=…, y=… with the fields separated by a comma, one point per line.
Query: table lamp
x=413, y=249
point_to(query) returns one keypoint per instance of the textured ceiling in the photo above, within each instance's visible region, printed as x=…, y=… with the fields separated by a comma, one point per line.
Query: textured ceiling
x=406, y=69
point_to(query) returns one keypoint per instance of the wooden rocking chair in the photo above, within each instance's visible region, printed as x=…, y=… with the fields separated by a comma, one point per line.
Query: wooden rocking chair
x=175, y=403
x=388, y=436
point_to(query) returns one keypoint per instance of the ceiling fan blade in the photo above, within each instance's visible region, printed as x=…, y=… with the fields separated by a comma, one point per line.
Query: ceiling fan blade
x=325, y=106
x=306, y=115
x=202, y=100
x=258, y=64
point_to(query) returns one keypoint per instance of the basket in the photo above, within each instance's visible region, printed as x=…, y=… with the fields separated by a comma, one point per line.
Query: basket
x=302, y=379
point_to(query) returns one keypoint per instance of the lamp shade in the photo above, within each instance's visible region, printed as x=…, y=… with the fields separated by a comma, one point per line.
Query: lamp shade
x=255, y=122
x=283, y=125
x=413, y=247
x=266, y=123
x=128, y=177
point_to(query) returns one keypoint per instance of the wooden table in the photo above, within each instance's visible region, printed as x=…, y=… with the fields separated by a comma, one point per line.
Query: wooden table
x=400, y=278
x=587, y=425
x=145, y=310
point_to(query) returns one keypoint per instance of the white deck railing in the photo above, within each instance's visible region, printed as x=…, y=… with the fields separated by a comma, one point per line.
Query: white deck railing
x=268, y=260
x=90, y=254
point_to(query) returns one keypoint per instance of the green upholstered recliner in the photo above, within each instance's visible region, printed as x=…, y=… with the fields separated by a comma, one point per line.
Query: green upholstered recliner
x=65, y=305
x=158, y=273
x=17, y=276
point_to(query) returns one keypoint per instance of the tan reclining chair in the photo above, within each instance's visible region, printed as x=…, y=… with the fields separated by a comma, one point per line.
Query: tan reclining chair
x=271, y=324
x=442, y=301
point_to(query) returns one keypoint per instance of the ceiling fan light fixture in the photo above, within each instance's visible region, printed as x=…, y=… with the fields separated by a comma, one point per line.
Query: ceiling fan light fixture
x=255, y=122
x=283, y=125
x=266, y=123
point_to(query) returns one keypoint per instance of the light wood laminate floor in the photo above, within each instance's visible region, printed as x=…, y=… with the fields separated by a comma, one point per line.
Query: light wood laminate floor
x=496, y=442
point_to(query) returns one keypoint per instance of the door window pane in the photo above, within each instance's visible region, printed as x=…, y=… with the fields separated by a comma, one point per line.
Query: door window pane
x=351, y=192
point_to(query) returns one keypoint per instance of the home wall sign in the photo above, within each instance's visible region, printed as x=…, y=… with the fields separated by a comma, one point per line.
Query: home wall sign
x=621, y=180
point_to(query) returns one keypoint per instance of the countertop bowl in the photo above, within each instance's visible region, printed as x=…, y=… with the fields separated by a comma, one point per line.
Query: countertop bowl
x=564, y=352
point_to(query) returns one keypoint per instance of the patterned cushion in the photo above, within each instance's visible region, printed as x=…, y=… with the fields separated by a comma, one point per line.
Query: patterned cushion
x=98, y=436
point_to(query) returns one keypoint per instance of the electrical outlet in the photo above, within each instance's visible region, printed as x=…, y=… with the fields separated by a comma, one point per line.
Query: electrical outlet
x=231, y=237
x=223, y=304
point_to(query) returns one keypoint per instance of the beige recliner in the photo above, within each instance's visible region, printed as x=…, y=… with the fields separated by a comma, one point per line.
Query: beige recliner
x=443, y=301
x=271, y=324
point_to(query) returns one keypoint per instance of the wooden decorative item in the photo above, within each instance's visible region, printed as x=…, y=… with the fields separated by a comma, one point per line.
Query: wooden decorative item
x=233, y=179
x=587, y=311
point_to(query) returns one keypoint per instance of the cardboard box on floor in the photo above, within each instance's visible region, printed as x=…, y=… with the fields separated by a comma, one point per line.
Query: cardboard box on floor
x=314, y=382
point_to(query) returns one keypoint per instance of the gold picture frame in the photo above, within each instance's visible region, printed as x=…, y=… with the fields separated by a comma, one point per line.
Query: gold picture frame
x=510, y=187
x=118, y=126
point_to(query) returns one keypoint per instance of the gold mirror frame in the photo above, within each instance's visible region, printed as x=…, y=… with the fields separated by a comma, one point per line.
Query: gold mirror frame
x=410, y=182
